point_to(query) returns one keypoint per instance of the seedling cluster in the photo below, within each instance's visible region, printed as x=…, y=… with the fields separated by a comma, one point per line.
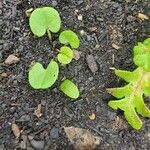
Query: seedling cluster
x=47, y=20
x=131, y=95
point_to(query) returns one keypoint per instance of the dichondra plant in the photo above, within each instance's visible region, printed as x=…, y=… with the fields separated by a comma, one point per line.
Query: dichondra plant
x=44, y=20
x=131, y=95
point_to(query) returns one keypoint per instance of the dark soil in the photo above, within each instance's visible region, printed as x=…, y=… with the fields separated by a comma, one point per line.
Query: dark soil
x=116, y=22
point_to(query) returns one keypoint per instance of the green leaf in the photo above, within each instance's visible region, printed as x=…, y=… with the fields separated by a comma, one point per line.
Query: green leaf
x=65, y=56
x=143, y=61
x=127, y=75
x=43, y=19
x=120, y=92
x=70, y=89
x=40, y=78
x=69, y=37
x=147, y=42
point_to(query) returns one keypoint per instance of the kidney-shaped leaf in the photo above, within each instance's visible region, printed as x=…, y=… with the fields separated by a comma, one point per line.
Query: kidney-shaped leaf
x=65, y=56
x=42, y=19
x=70, y=89
x=40, y=78
x=69, y=37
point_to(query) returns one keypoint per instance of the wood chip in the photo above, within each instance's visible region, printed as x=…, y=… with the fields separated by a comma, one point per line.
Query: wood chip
x=15, y=129
x=81, y=138
x=142, y=16
x=11, y=59
x=92, y=116
x=37, y=112
x=93, y=29
x=115, y=46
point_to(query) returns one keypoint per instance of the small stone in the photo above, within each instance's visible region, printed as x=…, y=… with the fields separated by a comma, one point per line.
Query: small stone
x=4, y=75
x=80, y=17
x=54, y=133
x=11, y=59
x=82, y=32
x=91, y=63
x=38, y=145
x=24, y=118
x=92, y=116
x=76, y=54
x=54, y=3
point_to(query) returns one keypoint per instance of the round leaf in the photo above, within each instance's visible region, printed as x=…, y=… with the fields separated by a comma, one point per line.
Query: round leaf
x=70, y=89
x=69, y=37
x=40, y=78
x=65, y=56
x=42, y=19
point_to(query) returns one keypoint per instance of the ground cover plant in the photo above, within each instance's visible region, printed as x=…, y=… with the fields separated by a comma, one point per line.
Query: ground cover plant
x=47, y=19
x=131, y=95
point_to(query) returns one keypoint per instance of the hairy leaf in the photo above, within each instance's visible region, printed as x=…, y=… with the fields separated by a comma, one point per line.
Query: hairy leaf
x=43, y=19
x=70, y=89
x=69, y=37
x=65, y=56
x=40, y=78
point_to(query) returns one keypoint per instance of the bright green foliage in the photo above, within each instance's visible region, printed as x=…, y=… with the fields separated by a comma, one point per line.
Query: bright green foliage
x=142, y=54
x=44, y=19
x=65, y=55
x=40, y=78
x=69, y=37
x=70, y=89
x=131, y=95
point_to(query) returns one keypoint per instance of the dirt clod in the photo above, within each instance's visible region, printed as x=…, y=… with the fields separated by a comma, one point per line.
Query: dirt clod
x=11, y=59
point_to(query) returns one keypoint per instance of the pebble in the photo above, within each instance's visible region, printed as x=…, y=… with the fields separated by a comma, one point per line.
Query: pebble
x=54, y=133
x=38, y=145
x=54, y=3
x=24, y=118
x=76, y=54
x=80, y=17
x=91, y=63
x=11, y=59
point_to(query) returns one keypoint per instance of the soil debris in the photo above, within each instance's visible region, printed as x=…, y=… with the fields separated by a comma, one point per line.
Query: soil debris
x=115, y=46
x=37, y=112
x=92, y=116
x=15, y=129
x=82, y=139
x=11, y=59
x=142, y=16
x=76, y=54
x=91, y=63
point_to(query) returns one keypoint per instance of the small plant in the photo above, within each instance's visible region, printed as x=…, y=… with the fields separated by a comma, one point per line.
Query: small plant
x=131, y=95
x=72, y=91
x=65, y=55
x=44, y=20
x=68, y=37
x=40, y=78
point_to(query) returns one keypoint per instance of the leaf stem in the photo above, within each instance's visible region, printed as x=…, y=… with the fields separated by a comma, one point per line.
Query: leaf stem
x=49, y=35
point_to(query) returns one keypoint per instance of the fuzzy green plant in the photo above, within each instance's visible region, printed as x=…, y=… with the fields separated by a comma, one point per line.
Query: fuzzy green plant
x=131, y=95
x=47, y=19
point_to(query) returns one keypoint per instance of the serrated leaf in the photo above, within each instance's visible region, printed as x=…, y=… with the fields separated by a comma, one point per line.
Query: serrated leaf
x=127, y=75
x=65, y=55
x=143, y=61
x=120, y=92
x=70, y=89
x=69, y=37
x=40, y=78
x=45, y=18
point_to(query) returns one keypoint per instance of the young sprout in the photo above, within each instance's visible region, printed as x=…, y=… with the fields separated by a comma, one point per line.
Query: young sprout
x=40, y=78
x=68, y=37
x=45, y=19
x=70, y=89
x=65, y=55
x=131, y=95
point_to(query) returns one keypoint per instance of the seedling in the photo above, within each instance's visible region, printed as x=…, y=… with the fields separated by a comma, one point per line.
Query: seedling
x=68, y=37
x=70, y=89
x=45, y=19
x=65, y=55
x=131, y=95
x=40, y=78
